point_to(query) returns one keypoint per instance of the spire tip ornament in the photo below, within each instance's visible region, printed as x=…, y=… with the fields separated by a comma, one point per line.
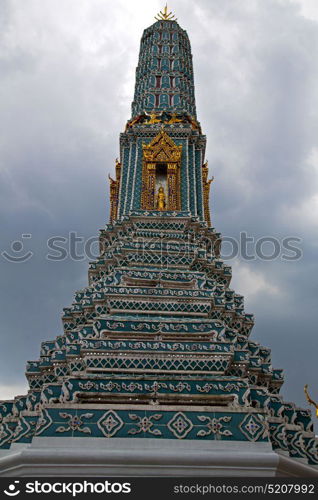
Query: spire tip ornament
x=165, y=15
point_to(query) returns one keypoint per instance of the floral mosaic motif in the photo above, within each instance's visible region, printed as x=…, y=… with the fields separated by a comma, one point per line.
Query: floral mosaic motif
x=25, y=429
x=66, y=392
x=113, y=325
x=132, y=386
x=109, y=387
x=145, y=424
x=278, y=436
x=43, y=423
x=180, y=425
x=154, y=346
x=140, y=326
x=156, y=291
x=220, y=387
x=312, y=450
x=180, y=387
x=4, y=433
x=246, y=400
x=214, y=426
x=296, y=444
x=252, y=427
x=75, y=423
x=110, y=423
x=155, y=387
x=22, y=426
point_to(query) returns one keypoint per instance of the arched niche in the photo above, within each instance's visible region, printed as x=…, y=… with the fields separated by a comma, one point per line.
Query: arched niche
x=161, y=168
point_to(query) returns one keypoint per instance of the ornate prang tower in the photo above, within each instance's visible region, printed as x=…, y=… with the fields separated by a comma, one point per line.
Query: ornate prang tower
x=155, y=373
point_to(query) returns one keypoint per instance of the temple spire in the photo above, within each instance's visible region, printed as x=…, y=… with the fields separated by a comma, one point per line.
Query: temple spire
x=164, y=75
x=157, y=345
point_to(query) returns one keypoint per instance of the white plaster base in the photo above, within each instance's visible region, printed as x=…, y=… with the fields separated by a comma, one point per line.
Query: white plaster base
x=91, y=457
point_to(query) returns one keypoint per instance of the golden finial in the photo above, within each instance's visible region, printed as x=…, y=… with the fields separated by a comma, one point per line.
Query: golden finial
x=165, y=15
x=310, y=401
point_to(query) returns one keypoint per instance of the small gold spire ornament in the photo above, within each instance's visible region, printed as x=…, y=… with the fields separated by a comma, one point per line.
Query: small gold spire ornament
x=165, y=15
x=311, y=401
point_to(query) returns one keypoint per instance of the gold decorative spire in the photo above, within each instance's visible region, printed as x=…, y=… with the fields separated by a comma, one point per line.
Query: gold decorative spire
x=165, y=15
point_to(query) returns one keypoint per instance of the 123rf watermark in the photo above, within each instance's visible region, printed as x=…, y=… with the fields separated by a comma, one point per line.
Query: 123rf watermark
x=79, y=248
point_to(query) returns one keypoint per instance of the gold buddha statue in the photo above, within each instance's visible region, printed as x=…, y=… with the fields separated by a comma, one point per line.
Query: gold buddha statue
x=161, y=199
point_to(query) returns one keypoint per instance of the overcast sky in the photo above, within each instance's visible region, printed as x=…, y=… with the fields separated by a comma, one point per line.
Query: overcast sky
x=67, y=80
